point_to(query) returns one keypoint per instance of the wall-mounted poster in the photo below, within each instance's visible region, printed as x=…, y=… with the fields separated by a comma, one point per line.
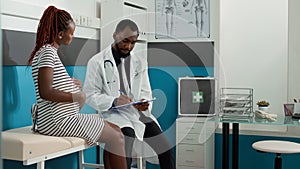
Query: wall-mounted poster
x=182, y=18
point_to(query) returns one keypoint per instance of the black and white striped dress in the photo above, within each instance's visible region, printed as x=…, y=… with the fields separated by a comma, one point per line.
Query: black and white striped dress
x=62, y=119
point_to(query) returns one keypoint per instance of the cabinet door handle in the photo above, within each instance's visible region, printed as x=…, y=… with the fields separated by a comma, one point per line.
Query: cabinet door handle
x=189, y=161
x=189, y=150
x=189, y=139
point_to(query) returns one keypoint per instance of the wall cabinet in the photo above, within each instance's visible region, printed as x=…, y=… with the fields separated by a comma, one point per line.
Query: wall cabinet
x=125, y=10
x=139, y=15
x=195, y=143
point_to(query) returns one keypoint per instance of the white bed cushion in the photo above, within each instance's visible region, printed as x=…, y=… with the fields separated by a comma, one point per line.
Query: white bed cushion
x=21, y=144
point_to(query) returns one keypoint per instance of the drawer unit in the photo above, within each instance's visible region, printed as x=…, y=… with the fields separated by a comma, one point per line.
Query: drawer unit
x=193, y=155
x=190, y=127
x=191, y=151
x=188, y=138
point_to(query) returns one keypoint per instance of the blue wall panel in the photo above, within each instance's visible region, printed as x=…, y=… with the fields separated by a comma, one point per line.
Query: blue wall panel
x=18, y=96
x=250, y=158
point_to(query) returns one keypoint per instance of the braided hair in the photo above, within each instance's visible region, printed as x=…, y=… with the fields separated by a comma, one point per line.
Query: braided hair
x=52, y=22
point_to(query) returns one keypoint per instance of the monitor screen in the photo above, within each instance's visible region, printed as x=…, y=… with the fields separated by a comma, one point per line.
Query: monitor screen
x=196, y=96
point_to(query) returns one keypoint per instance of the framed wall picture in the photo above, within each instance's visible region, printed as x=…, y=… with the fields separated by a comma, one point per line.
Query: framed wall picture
x=182, y=18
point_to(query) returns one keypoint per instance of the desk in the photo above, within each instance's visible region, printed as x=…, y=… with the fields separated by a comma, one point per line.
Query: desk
x=281, y=120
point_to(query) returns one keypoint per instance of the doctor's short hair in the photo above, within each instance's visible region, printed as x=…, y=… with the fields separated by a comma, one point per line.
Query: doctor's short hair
x=127, y=23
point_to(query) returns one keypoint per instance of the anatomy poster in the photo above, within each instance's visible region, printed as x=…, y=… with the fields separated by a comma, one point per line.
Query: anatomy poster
x=182, y=18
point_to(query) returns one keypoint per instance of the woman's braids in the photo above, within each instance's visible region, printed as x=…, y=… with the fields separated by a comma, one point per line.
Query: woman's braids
x=52, y=22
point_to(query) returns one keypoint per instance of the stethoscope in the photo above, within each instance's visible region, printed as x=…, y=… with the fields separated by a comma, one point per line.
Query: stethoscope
x=110, y=73
x=108, y=61
x=109, y=70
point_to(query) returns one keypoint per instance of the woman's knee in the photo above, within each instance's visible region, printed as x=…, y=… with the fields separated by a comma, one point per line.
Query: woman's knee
x=116, y=135
x=119, y=138
x=111, y=134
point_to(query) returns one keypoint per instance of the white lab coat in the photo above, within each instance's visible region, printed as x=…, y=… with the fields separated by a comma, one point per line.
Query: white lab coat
x=102, y=86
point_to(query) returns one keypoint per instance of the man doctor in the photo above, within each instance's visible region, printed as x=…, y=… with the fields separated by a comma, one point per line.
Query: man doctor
x=116, y=77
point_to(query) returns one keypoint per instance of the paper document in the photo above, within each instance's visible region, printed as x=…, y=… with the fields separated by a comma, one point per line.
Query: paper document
x=134, y=103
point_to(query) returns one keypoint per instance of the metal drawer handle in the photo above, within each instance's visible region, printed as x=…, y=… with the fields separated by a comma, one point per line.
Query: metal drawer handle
x=190, y=150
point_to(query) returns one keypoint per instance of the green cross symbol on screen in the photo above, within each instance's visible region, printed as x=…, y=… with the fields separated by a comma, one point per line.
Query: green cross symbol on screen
x=198, y=97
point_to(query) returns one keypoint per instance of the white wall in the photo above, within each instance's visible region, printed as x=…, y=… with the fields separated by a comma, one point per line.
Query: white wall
x=22, y=15
x=294, y=49
x=254, y=48
x=294, y=56
x=86, y=7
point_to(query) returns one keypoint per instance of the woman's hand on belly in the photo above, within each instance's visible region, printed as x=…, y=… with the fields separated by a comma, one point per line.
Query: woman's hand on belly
x=80, y=98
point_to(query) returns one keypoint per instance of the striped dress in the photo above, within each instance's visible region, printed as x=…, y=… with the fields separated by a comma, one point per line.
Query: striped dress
x=62, y=119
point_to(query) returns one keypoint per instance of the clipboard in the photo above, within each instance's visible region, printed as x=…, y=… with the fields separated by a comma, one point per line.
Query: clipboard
x=134, y=103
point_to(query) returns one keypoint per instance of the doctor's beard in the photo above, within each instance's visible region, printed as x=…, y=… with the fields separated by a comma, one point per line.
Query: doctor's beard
x=120, y=51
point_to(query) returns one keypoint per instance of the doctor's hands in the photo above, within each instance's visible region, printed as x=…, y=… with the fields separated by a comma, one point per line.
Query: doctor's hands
x=142, y=106
x=123, y=99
